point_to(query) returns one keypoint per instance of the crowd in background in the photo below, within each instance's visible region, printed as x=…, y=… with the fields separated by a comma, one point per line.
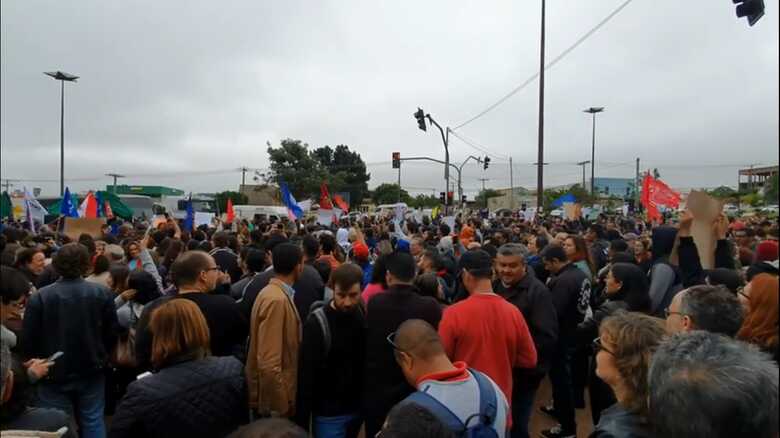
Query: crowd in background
x=392, y=328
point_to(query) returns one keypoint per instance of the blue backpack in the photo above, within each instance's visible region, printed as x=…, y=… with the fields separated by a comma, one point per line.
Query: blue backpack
x=481, y=427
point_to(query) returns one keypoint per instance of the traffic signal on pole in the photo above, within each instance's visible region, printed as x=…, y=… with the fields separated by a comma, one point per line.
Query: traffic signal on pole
x=486, y=163
x=441, y=197
x=462, y=199
x=450, y=196
x=420, y=116
x=396, y=160
x=752, y=9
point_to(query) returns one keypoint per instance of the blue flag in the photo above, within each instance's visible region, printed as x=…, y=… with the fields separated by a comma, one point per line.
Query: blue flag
x=67, y=206
x=189, y=221
x=564, y=199
x=293, y=209
x=99, y=199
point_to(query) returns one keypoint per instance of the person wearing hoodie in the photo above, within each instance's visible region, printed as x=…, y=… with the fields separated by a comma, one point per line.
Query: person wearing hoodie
x=691, y=270
x=665, y=279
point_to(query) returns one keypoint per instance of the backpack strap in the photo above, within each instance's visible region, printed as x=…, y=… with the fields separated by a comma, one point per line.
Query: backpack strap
x=319, y=313
x=443, y=413
x=488, y=403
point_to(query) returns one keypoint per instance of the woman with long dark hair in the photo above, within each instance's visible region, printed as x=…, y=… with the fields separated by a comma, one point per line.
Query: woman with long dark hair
x=577, y=252
x=625, y=289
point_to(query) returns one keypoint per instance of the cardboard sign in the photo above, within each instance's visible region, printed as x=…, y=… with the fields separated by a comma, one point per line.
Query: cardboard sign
x=76, y=226
x=572, y=211
x=705, y=210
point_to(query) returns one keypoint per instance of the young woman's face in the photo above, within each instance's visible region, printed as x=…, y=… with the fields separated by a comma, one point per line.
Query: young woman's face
x=611, y=284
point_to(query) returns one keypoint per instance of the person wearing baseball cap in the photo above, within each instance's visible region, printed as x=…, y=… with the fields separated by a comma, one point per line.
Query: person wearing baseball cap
x=360, y=258
x=485, y=330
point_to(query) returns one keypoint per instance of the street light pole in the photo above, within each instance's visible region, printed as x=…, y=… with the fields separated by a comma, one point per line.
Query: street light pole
x=62, y=77
x=583, y=163
x=593, y=111
x=540, y=167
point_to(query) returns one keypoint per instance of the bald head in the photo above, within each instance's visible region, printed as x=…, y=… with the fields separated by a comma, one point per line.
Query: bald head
x=188, y=267
x=419, y=339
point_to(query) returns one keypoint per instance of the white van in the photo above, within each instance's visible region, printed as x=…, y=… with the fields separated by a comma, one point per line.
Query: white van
x=248, y=212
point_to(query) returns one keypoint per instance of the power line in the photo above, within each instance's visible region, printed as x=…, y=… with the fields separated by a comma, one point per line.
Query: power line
x=477, y=147
x=548, y=66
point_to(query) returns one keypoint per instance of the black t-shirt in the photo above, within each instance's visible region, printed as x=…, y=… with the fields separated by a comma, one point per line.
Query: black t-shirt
x=228, y=327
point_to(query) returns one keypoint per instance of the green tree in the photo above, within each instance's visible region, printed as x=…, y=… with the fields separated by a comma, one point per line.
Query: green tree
x=292, y=163
x=424, y=201
x=222, y=197
x=388, y=194
x=581, y=195
x=344, y=170
x=484, y=195
x=771, y=194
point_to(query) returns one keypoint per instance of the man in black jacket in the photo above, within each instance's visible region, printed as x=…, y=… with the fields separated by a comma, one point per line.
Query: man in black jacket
x=518, y=285
x=196, y=275
x=332, y=360
x=570, y=291
x=385, y=384
x=308, y=287
x=77, y=318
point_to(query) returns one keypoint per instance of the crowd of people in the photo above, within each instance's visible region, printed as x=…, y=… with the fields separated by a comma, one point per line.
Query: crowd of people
x=392, y=328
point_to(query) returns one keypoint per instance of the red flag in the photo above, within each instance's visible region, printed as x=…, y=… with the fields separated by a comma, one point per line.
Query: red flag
x=325, y=203
x=341, y=203
x=107, y=210
x=230, y=213
x=654, y=193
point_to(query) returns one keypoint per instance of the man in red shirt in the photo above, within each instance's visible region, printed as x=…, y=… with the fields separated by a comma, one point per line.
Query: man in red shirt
x=485, y=330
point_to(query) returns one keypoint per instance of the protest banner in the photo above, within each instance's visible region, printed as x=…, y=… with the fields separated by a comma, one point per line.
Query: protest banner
x=76, y=226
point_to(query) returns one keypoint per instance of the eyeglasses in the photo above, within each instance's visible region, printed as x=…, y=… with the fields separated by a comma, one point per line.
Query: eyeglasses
x=668, y=312
x=391, y=341
x=598, y=346
x=741, y=291
x=215, y=268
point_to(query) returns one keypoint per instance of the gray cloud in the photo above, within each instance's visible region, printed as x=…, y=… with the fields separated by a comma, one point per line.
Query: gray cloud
x=175, y=87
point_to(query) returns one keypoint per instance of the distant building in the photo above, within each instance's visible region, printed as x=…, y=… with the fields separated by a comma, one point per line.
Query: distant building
x=755, y=177
x=506, y=200
x=261, y=194
x=608, y=187
x=151, y=191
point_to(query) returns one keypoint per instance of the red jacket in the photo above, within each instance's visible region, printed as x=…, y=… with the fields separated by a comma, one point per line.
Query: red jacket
x=490, y=335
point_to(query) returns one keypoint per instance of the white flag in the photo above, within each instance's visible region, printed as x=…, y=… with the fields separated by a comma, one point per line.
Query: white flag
x=33, y=210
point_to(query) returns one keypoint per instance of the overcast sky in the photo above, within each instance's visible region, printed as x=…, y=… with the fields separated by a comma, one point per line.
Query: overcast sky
x=186, y=91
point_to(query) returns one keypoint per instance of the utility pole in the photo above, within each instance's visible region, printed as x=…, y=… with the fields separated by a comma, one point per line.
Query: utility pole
x=7, y=184
x=399, y=181
x=540, y=166
x=583, y=163
x=593, y=111
x=511, y=186
x=483, y=190
x=243, y=170
x=115, y=176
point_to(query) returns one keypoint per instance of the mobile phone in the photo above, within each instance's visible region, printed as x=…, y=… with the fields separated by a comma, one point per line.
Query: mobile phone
x=54, y=356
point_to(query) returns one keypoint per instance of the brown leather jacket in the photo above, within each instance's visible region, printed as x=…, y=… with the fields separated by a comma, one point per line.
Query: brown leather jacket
x=272, y=361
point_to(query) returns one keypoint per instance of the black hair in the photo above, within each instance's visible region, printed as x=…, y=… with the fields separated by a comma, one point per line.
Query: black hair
x=634, y=287
x=13, y=284
x=554, y=252
x=401, y=265
x=311, y=246
x=119, y=273
x=324, y=269
x=101, y=265
x=618, y=245
x=25, y=256
x=286, y=257
x=328, y=243
x=410, y=420
x=379, y=274
x=144, y=285
x=254, y=259
x=427, y=285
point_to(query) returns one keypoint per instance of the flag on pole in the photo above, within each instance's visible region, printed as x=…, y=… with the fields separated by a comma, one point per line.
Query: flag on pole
x=341, y=203
x=189, y=220
x=294, y=211
x=33, y=209
x=229, y=213
x=325, y=202
x=67, y=206
x=6, y=206
x=99, y=202
x=88, y=207
x=656, y=193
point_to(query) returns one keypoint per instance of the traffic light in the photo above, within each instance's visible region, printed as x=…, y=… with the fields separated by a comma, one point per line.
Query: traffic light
x=450, y=196
x=462, y=199
x=396, y=160
x=486, y=163
x=752, y=9
x=420, y=116
x=441, y=197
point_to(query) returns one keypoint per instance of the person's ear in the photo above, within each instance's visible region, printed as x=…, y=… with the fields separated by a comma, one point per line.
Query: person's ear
x=687, y=323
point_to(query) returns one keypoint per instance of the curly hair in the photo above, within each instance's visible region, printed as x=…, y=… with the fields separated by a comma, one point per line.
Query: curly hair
x=635, y=337
x=72, y=261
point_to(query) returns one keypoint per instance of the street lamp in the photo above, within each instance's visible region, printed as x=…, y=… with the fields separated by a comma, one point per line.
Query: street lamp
x=583, y=163
x=593, y=110
x=62, y=77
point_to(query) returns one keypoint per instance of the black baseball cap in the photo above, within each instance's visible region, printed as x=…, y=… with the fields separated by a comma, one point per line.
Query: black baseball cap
x=476, y=262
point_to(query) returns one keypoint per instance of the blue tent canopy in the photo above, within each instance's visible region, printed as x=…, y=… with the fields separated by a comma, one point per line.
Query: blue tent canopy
x=563, y=199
